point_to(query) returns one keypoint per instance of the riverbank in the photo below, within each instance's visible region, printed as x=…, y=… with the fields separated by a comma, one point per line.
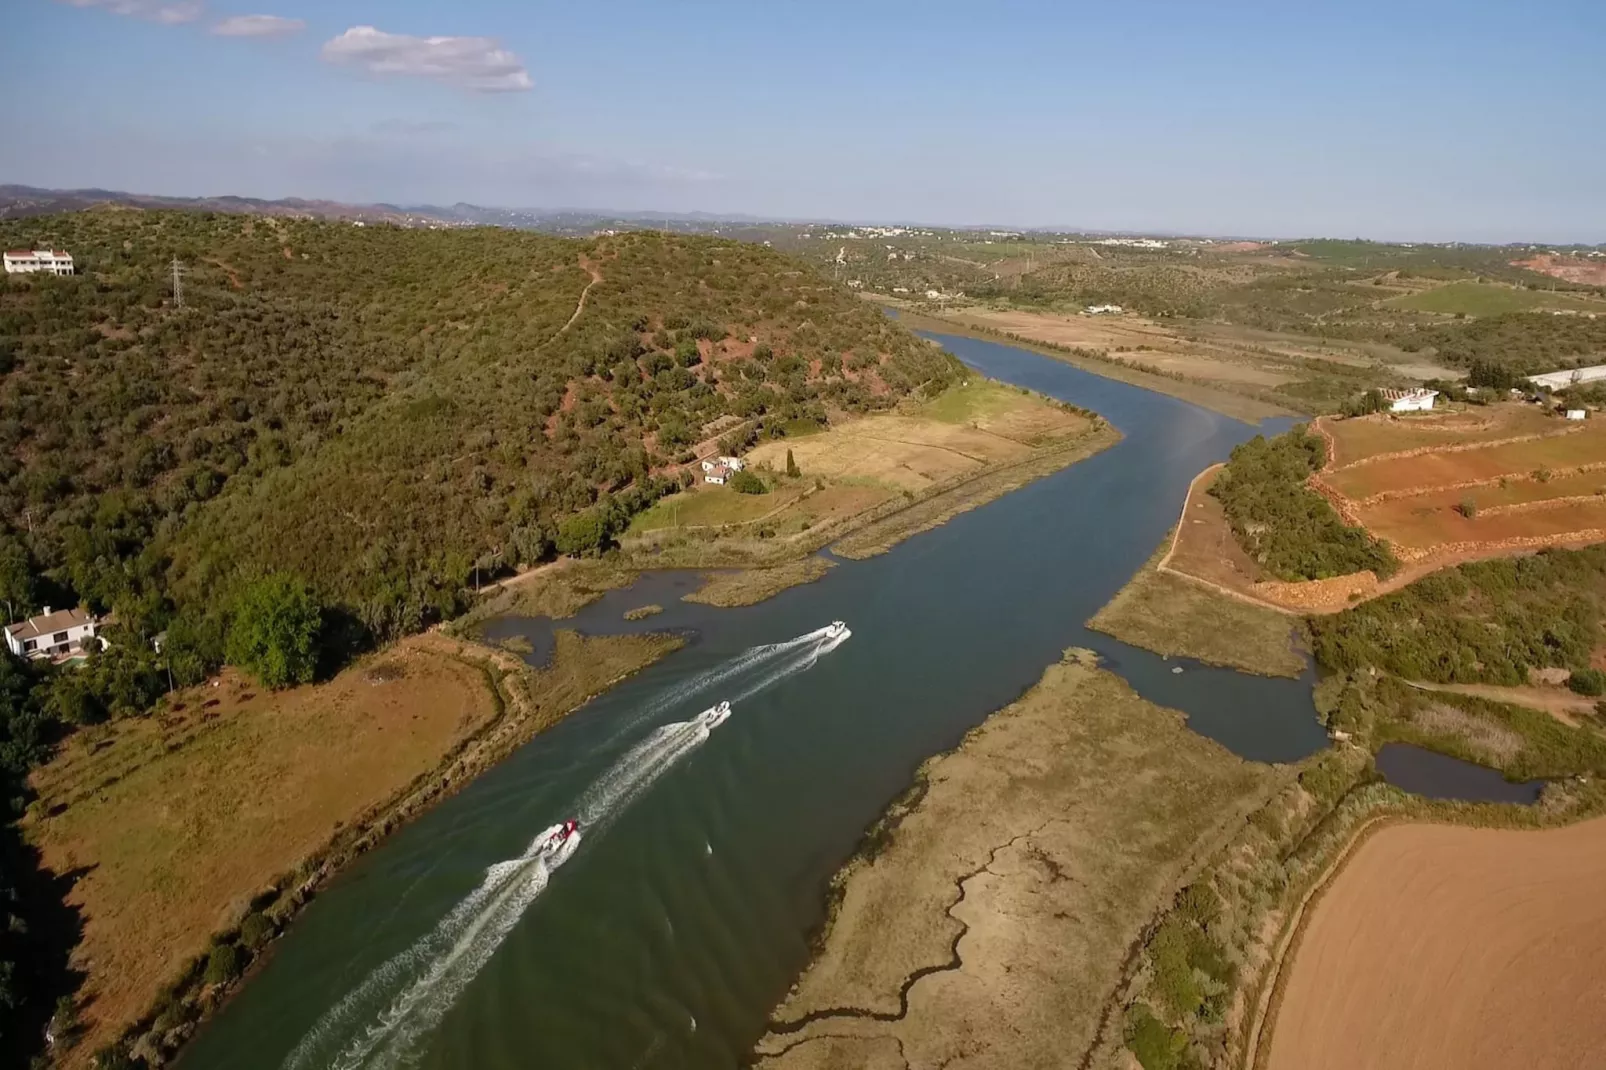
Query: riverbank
x=860, y=488
x=1166, y=613
x=194, y=836
x=1250, y=405
x=992, y=913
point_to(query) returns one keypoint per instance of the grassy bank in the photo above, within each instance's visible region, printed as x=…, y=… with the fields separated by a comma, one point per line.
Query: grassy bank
x=199, y=833
x=996, y=913
x=746, y=587
x=1169, y=615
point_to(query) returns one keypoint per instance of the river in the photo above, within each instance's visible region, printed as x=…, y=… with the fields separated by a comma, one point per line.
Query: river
x=688, y=907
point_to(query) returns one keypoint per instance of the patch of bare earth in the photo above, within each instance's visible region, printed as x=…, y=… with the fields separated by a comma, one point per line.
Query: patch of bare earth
x=1444, y=948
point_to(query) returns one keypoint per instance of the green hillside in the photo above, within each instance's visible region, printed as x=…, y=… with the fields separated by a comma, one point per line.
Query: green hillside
x=377, y=410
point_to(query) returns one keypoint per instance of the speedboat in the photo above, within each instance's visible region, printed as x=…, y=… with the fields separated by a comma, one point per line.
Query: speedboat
x=836, y=630
x=714, y=716
x=555, y=838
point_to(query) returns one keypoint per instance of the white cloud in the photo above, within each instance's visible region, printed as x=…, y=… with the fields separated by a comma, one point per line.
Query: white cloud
x=475, y=63
x=258, y=26
x=168, y=12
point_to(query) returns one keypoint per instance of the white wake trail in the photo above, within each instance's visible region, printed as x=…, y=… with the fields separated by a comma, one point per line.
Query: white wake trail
x=418, y=986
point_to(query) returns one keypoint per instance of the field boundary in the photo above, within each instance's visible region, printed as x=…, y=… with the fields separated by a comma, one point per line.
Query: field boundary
x=1490, y=481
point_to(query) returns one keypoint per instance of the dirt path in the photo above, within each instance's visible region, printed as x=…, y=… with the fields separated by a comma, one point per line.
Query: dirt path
x=580, y=306
x=1561, y=704
x=1446, y=947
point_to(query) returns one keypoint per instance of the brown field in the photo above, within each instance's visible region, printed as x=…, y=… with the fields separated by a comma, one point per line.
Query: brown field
x=1427, y=470
x=1205, y=546
x=174, y=823
x=1453, y=948
x=1410, y=524
x=1356, y=439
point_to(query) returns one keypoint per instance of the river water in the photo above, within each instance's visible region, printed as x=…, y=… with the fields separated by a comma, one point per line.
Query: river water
x=687, y=909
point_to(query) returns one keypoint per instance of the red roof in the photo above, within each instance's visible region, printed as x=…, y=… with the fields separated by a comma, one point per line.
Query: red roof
x=19, y=252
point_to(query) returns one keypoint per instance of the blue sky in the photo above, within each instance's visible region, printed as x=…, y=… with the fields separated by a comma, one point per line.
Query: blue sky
x=1474, y=120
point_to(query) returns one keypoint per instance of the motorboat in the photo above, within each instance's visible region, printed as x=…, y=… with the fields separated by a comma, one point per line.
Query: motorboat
x=554, y=839
x=836, y=630
x=714, y=716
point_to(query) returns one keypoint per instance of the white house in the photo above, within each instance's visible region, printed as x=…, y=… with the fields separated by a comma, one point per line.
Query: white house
x=715, y=473
x=66, y=631
x=1417, y=400
x=1576, y=414
x=735, y=464
x=1104, y=310
x=27, y=261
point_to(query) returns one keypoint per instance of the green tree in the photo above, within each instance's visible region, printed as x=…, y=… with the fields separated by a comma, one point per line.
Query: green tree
x=747, y=483
x=274, y=635
x=583, y=533
x=792, y=469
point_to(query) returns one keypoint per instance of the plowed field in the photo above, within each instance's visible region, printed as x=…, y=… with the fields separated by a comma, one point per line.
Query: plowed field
x=1441, y=948
x=1559, y=452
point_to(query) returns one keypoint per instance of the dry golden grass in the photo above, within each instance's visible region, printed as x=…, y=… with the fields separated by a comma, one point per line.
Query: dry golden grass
x=176, y=821
x=1441, y=948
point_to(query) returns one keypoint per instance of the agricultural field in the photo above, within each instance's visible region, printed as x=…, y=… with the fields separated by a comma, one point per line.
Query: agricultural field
x=1490, y=299
x=1566, y=449
x=1477, y=949
x=1356, y=440
x=861, y=466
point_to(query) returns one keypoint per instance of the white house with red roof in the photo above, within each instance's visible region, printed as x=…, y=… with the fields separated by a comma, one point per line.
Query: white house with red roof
x=27, y=261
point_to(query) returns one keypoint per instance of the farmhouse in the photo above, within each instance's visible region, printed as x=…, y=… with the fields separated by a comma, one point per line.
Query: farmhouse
x=716, y=472
x=1410, y=400
x=66, y=631
x=1571, y=377
x=28, y=261
x=1104, y=310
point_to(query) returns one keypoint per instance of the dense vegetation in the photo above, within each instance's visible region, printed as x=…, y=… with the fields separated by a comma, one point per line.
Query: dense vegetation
x=343, y=428
x=1293, y=532
x=1483, y=622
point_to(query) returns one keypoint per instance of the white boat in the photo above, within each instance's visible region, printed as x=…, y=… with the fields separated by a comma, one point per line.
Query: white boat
x=836, y=630
x=555, y=838
x=714, y=716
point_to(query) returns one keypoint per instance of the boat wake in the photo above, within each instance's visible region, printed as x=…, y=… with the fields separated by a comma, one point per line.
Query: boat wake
x=406, y=997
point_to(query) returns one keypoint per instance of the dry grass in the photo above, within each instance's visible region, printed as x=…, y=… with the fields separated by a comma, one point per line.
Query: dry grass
x=1368, y=436
x=753, y=585
x=1007, y=894
x=1169, y=615
x=1494, y=744
x=176, y=821
x=1414, y=526
x=1454, y=948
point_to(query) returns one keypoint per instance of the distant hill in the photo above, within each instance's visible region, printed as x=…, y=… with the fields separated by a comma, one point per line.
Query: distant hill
x=379, y=409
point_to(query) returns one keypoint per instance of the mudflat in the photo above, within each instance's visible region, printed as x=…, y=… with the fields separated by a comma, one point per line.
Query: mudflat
x=991, y=916
x=1443, y=947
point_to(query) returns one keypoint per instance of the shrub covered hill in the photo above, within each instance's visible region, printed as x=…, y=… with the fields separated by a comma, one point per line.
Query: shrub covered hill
x=377, y=411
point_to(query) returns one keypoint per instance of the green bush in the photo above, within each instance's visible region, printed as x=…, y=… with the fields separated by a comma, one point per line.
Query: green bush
x=1588, y=681
x=745, y=482
x=223, y=964
x=1156, y=1045
x=255, y=930
x=274, y=635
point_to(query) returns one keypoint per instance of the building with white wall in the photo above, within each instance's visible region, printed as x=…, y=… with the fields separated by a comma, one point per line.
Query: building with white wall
x=66, y=631
x=27, y=261
x=1418, y=400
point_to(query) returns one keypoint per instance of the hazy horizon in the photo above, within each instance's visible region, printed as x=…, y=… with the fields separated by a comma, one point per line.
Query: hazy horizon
x=1428, y=122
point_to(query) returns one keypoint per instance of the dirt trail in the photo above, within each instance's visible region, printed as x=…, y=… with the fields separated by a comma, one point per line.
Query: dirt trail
x=580, y=306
